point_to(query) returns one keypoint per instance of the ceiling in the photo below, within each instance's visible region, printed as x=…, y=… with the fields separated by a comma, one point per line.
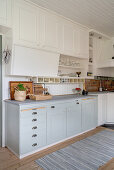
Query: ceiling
x=95, y=14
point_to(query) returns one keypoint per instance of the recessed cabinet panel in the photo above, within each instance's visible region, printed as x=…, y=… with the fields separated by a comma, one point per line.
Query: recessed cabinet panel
x=102, y=108
x=50, y=30
x=89, y=114
x=5, y=12
x=83, y=43
x=56, y=123
x=68, y=34
x=26, y=24
x=28, y=27
x=73, y=118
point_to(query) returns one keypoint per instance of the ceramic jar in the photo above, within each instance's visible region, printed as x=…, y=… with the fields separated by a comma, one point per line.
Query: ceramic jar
x=20, y=95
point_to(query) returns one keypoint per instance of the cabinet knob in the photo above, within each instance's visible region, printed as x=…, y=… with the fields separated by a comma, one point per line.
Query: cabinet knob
x=34, y=120
x=34, y=113
x=34, y=135
x=52, y=107
x=35, y=127
x=34, y=144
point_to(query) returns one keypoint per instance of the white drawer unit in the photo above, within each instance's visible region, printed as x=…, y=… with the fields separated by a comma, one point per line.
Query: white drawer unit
x=30, y=129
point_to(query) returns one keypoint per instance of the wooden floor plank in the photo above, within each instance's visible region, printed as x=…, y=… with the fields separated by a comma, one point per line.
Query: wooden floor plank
x=8, y=161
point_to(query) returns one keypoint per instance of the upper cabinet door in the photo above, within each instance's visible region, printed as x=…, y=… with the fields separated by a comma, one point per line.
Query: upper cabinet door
x=68, y=38
x=82, y=43
x=26, y=24
x=5, y=12
x=49, y=31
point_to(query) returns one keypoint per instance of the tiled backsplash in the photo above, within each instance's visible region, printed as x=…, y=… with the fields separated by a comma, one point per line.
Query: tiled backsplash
x=61, y=89
x=94, y=85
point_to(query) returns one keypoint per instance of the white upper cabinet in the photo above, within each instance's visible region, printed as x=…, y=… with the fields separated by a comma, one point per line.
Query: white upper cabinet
x=49, y=31
x=82, y=43
x=39, y=28
x=26, y=24
x=5, y=12
x=68, y=38
x=75, y=40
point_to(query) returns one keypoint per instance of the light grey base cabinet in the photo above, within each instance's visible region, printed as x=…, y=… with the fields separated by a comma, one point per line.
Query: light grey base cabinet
x=33, y=127
x=89, y=113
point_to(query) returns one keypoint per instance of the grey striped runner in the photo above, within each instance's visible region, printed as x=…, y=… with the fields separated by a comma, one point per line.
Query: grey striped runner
x=87, y=154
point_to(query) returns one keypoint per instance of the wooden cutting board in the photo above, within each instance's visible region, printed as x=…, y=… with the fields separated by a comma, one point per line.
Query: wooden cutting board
x=40, y=97
x=38, y=89
x=27, y=84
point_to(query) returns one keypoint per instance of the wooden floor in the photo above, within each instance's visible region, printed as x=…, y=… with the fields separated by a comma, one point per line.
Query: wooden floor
x=8, y=161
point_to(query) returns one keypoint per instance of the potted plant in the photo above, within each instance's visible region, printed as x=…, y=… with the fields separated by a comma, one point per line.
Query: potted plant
x=20, y=92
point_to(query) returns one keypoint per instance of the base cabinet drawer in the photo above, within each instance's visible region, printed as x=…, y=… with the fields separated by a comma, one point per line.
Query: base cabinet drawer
x=30, y=141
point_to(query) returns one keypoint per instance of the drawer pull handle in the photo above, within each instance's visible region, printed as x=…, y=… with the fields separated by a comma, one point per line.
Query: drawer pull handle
x=52, y=107
x=34, y=135
x=35, y=127
x=77, y=103
x=34, y=120
x=34, y=113
x=35, y=144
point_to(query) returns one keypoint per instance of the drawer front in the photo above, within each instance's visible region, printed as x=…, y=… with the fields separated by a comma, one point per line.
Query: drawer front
x=29, y=122
x=28, y=145
x=34, y=118
x=32, y=140
x=32, y=112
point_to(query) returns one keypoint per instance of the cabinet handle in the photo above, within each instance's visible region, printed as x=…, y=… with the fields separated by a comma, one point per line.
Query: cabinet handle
x=34, y=109
x=35, y=144
x=34, y=120
x=35, y=127
x=34, y=135
x=52, y=106
x=77, y=103
x=34, y=113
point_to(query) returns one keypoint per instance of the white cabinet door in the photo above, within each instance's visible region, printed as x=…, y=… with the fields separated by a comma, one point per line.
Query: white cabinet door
x=102, y=108
x=5, y=12
x=56, y=123
x=68, y=38
x=82, y=41
x=89, y=114
x=26, y=24
x=110, y=107
x=49, y=31
x=73, y=118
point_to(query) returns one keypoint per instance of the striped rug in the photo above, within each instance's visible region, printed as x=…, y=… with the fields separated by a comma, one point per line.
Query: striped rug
x=87, y=154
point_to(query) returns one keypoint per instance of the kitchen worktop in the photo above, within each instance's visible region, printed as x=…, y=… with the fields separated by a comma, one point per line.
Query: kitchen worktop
x=54, y=99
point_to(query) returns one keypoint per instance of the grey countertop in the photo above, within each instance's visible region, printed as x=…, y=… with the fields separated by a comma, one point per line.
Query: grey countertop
x=54, y=99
